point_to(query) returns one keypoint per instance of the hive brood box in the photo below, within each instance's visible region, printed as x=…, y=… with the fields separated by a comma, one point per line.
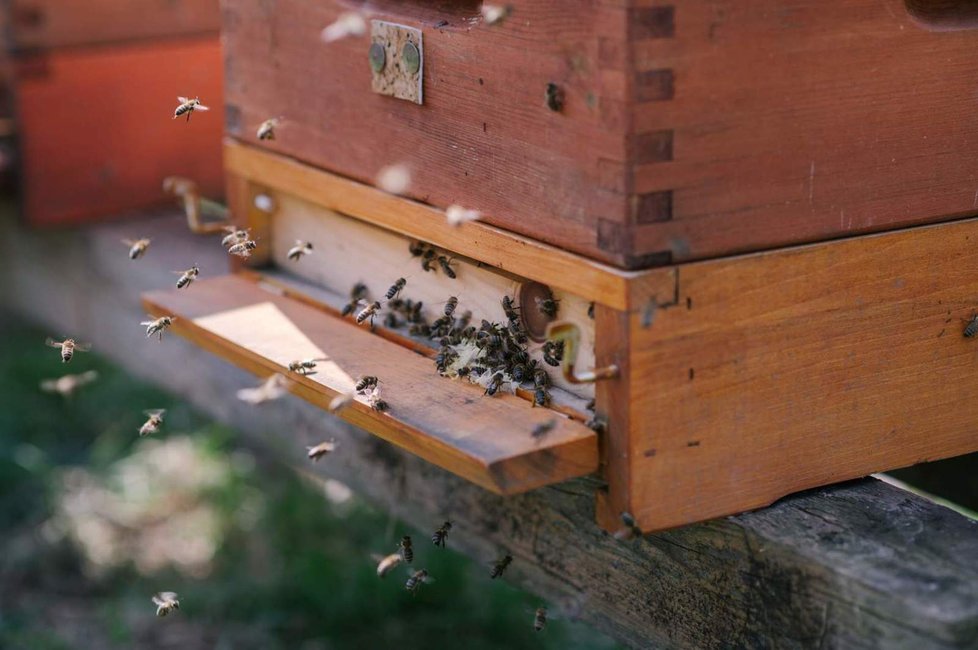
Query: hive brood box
x=682, y=132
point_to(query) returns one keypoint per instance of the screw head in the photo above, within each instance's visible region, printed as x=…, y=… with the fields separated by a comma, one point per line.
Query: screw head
x=411, y=57
x=378, y=57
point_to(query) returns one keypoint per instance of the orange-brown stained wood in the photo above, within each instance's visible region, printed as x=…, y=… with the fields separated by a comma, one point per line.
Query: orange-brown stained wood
x=487, y=440
x=782, y=371
x=96, y=130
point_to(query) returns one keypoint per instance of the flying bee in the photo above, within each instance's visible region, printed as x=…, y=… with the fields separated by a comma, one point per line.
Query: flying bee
x=439, y=536
x=301, y=248
x=166, y=602
x=629, y=528
x=153, y=422
x=357, y=293
x=304, y=366
x=340, y=402
x=272, y=388
x=450, y=306
x=366, y=383
x=539, y=619
x=972, y=327
x=446, y=267
x=266, y=130
x=417, y=579
x=68, y=348
x=494, y=384
x=188, y=276
x=495, y=14
x=499, y=566
x=406, y=550
x=188, y=106
x=456, y=215
x=68, y=384
x=542, y=429
x=428, y=259
x=395, y=288
x=368, y=312
x=243, y=248
x=136, y=247
x=234, y=235
x=158, y=326
x=321, y=450
x=547, y=306
x=388, y=563
x=553, y=352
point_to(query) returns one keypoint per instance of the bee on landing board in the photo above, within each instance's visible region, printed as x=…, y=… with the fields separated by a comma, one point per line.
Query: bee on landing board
x=68, y=384
x=301, y=248
x=304, y=366
x=439, y=537
x=188, y=276
x=188, y=106
x=366, y=383
x=166, y=602
x=153, y=422
x=547, y=306
x=158, y=326
x=137, y=247
x=68, y=347
x=553, y=352
x=499, y=566
x=386, y=564
x=417, y=579
x=321, y=450
x=266, y=130
x=446, y=267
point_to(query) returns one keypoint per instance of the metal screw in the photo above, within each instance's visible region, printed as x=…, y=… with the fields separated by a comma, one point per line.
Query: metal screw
x=378, y=57
x=412, y=58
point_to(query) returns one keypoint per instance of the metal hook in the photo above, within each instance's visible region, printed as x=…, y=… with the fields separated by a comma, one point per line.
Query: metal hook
x=194, y=205
x=570, y=334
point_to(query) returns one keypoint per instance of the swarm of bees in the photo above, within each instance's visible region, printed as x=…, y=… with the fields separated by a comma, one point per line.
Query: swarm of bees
x=188, y=106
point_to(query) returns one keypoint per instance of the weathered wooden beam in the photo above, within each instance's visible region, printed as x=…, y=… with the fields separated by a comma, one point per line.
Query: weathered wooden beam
x=859, y=565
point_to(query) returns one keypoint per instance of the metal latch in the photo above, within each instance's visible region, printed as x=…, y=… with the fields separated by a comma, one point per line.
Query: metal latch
x=397, y=60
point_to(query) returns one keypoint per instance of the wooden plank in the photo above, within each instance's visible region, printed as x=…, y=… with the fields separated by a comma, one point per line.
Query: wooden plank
x=859, y=566
x=484, y=439
x=498, y=248
x=777, y=372
x=66, y=101
x=46, y=24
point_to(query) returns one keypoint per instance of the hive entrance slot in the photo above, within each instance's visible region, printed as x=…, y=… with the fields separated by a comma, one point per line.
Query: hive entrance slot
x=941, y=15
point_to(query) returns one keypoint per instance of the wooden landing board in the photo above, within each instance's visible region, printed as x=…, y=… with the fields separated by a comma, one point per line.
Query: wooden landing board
x=486, y=440
x=787, y=370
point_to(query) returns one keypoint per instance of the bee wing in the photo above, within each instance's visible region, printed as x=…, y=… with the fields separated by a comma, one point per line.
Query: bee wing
x=168, y=595
x=201, y=107
x=128, y=242
x=49, y=385
x=159, y=602
x=182, y=100
x=87, y=377
x=147, y=322
x=50, y=342
x=83, y=347
x=152, y=412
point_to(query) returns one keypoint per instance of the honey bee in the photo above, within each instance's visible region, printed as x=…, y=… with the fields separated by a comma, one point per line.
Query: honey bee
x=166, y=602
x=368, y=312
x=304, y=367
x=450, y=306
x=68, y=347
x=136, y=247
x=188, y=106
x=439, y=536
x=446, y=267
x=243, y=248
x=972, y=327
x=554, y=97
x=540, y=378
x=358, y=293
x=388, y=563
x=153, y=422
x=553, y=352
x=509, y=308
x=541, y=397
x=428, y=259
x=494, y=384
x=456, y=215
x=539, y=619
x=416, y=248
x=347, y=24
x=68, y=384
x=542, y=429
x=406, y=550
x=547, y=306
x=590, y=310
x=417, y=579
x=340, y=402
x=272, y=388
x=495, y=14
x=365, y=383
x=523, y=371
x=376, y=403
x=266, y=130
x=629, y=528
x=234, y=235
x=321, y=450
x=499, y=566
x=158, y=326
x=395, y=288
x=188, y=276
x=301, y=248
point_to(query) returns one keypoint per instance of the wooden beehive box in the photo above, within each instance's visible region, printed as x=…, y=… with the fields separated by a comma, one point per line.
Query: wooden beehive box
x=93, y=86
x=627, y=156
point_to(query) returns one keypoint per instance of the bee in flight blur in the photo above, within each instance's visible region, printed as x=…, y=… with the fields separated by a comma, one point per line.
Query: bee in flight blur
x=273, y=388
x=321, y=450
x=166, y=602
x=387, y=564
x=243, y=248
x=406, y=550
x=157, y=326
x=439, y=536
x=417, y=579
x=153, y=422
x=539, y=619
x=499, y=566
x=68, y=348
x=266, y=130
x=68, y=384
x=188, y=276
x=341, y=401
x=137, y=247
x=301, y=248
x=234, y=235
x=188, y=106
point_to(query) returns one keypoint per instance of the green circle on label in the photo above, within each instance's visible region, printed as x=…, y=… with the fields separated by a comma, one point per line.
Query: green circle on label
x=378, y=58
x=412, y=58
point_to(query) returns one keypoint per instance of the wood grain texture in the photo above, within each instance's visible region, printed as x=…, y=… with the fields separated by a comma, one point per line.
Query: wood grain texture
x=450, y=423
x=859, y=566
x=781, y=371
x=47, y=24
x=495, y=247
x=96, y=130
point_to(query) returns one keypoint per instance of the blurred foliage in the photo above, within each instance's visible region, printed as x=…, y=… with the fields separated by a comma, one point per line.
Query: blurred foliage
x=287, y=568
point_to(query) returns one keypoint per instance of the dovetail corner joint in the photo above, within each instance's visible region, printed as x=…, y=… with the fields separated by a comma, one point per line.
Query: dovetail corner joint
x=396, y=57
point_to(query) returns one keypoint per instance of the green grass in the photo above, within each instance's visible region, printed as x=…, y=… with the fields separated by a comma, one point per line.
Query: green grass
x=289, y=568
